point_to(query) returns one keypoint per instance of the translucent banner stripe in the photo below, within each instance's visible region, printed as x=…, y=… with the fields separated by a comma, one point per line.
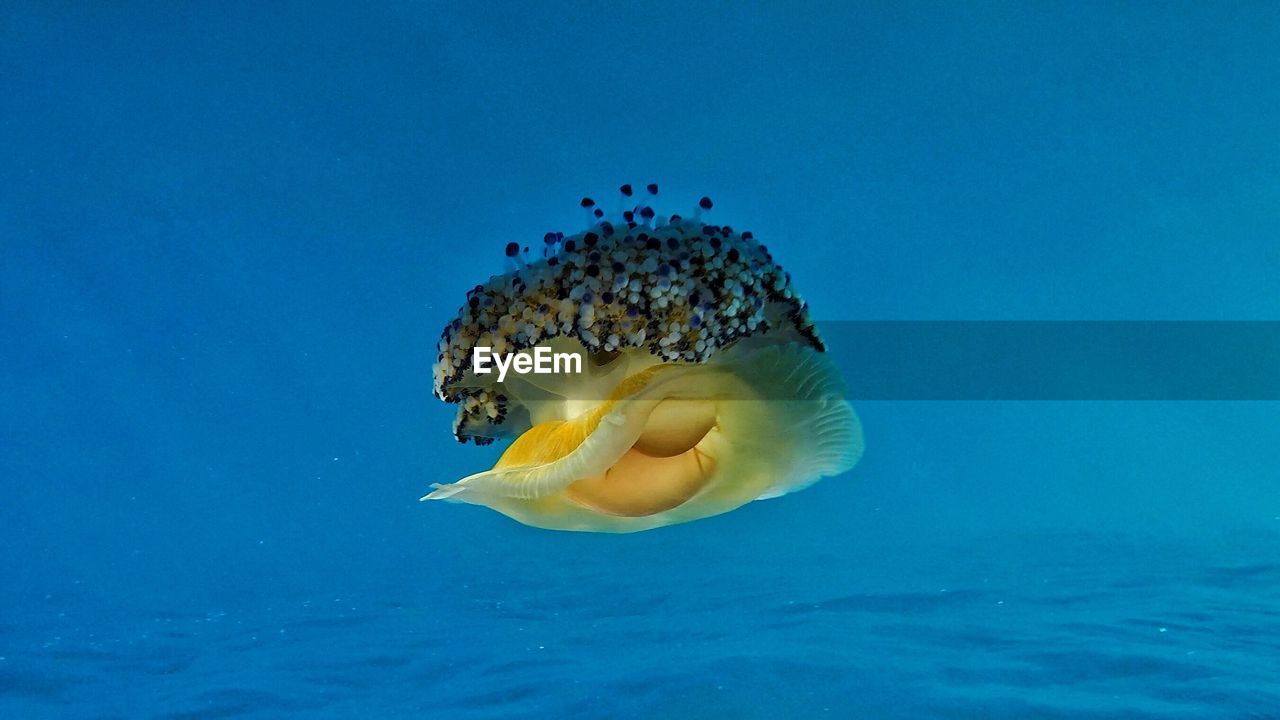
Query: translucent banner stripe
x=1072, y=360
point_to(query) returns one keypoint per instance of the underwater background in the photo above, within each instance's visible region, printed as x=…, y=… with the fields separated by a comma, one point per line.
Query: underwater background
x=230, y=234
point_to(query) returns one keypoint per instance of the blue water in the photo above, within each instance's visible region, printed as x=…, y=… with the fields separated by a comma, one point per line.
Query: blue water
x=230, y=236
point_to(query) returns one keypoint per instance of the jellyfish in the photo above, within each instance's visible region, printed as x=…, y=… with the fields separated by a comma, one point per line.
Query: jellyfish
x=702, y=384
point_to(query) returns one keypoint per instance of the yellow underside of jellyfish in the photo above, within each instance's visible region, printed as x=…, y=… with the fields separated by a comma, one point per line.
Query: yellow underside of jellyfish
x=704, y=385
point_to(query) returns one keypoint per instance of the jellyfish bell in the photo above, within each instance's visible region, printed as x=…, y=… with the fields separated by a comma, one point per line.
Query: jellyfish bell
x=701, y=382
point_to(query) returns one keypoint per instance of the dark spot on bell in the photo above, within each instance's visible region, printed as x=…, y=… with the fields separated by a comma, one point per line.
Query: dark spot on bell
x=600, y=358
